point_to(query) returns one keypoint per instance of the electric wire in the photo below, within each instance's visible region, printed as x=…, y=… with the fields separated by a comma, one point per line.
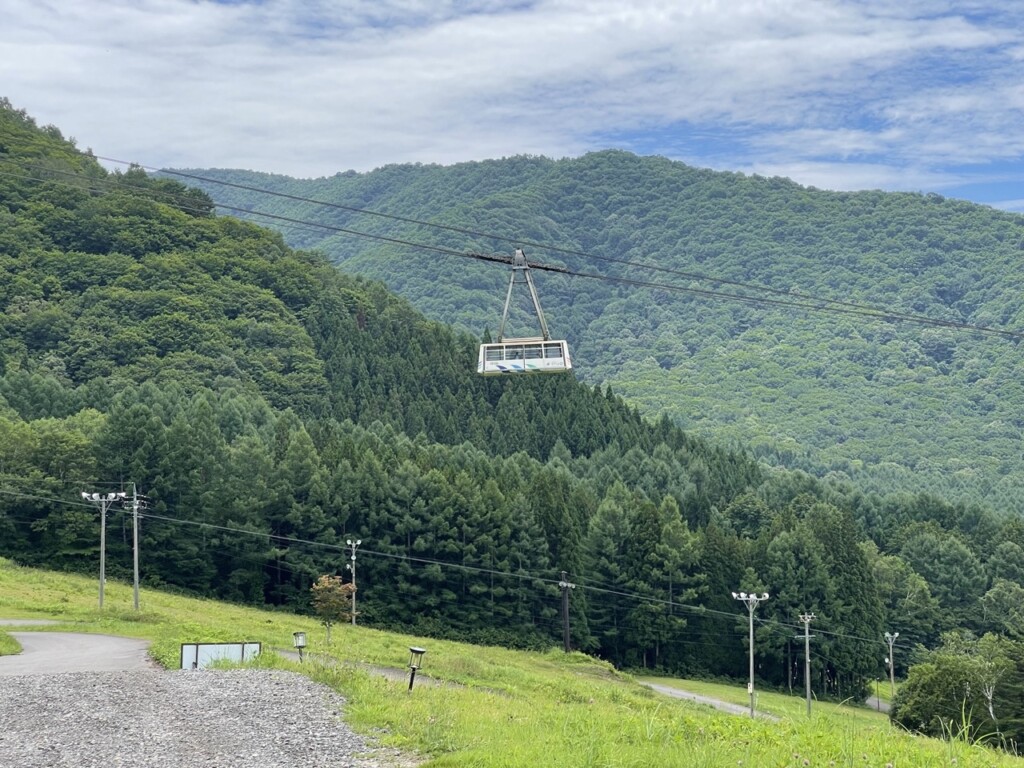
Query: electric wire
x=580, y=582
x=850, y=308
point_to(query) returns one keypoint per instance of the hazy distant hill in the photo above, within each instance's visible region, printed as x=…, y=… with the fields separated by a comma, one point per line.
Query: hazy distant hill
x=894, y=406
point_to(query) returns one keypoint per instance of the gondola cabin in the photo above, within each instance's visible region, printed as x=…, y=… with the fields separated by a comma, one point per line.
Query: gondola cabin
x=524, y=356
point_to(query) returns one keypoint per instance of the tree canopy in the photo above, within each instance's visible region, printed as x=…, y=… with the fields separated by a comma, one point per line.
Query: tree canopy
x=888, y=406
x=269, y=405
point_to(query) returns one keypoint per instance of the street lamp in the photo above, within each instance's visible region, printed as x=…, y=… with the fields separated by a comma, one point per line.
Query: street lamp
x=103, y=501
x=415, y=662
x=891, y=661
x=353, y=543
x=751, y=600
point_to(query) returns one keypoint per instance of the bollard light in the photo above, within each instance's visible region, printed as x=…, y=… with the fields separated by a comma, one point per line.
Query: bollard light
x=299, y=639
x=415, y=662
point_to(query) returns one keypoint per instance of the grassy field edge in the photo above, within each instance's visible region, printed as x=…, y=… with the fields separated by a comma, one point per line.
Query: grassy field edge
x=496, y=708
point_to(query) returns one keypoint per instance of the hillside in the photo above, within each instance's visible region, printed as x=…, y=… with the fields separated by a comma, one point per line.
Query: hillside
x=271, y=407
x=497, y=707
x=890, y=406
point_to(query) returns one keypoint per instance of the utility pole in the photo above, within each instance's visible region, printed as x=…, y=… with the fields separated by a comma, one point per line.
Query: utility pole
x=103, y=501
x=135, y=545
x=353, y=543
x=751, y=600
x=807, y=618
x=566, y=585
x=891, y=661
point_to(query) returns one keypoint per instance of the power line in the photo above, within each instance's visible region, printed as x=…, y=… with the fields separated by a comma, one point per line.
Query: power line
x=772, y=624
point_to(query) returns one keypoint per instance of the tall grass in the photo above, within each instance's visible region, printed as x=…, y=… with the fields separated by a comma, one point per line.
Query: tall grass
x=496, y=708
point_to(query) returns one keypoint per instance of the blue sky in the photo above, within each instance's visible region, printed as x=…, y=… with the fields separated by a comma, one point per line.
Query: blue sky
x=920, y=95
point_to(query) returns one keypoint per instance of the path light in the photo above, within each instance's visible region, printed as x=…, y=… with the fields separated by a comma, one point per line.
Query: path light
x=299, y=640
x=415, y=662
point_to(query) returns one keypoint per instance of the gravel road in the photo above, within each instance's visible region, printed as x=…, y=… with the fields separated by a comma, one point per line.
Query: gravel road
x=85, y=701
x=225, y=718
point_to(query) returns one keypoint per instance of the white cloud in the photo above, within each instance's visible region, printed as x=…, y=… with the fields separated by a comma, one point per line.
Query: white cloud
x=854, y=176
x=835, y=90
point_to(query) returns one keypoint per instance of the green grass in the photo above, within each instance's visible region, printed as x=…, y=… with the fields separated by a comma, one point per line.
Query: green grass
x=8, y=645
x=504, y=708
x=778, y=704
x=885, y=690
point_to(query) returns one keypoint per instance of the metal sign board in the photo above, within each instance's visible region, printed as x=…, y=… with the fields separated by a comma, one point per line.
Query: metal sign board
x=202, y=655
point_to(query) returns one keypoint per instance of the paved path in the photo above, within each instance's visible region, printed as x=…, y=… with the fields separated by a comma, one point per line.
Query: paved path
x=878, y=704
x=47, y=653
x=724, y=706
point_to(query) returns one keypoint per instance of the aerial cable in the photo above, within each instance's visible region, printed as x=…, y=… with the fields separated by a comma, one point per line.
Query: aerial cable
x=493, y=236
x=821, y=305
x=877, y=314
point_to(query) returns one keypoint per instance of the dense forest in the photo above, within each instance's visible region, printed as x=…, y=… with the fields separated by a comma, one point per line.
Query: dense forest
x=270, y=406
x=889, y=406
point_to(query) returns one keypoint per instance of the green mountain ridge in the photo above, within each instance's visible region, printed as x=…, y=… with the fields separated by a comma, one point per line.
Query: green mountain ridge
x=886, y=405
x=271, y=406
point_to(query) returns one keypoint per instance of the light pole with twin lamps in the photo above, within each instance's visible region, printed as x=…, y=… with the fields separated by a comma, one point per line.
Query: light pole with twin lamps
x=103, y=501
x=353, y=544
x=751, y=600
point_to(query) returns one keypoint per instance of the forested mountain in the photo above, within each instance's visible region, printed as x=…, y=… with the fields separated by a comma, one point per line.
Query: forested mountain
x=270, y=406
x=892, y=406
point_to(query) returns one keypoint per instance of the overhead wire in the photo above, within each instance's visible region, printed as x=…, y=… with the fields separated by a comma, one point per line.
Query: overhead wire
x=699, y=611
x=494, y=236
x=886, y=314
x=824, y=305
x=820, y=305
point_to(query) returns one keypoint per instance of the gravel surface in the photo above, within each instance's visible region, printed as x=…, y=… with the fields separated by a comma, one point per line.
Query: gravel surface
x=185, y=719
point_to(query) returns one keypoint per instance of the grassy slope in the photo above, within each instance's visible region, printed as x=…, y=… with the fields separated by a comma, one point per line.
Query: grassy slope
x=511, y=709
x=777, y=704
x=8, y=645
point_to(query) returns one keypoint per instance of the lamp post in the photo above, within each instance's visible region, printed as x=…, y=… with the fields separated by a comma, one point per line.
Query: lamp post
x=415, y=662
x=299, y=640
x=103, y=501
x=135, y=545
x=891, y=661
x=353, y=543
x=807, y=618
x=752, y=601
